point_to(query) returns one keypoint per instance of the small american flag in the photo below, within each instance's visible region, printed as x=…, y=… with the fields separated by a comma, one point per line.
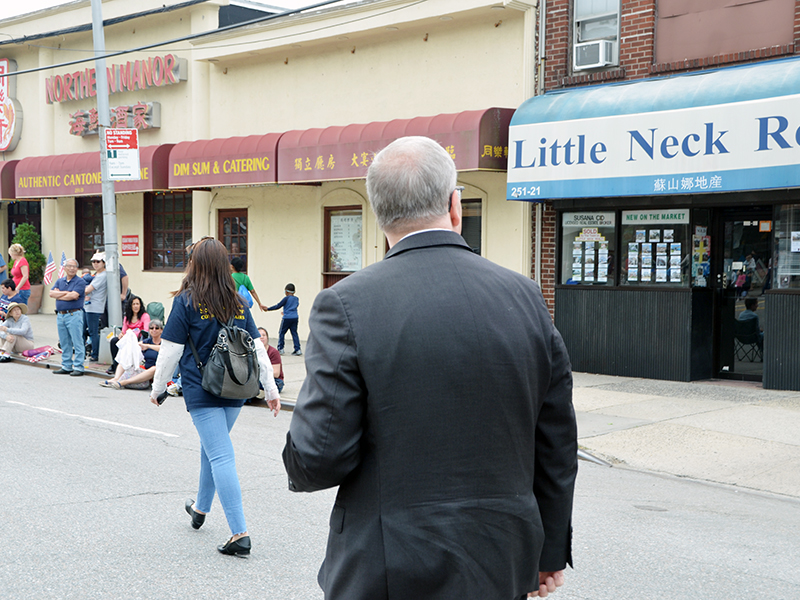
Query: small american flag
x=49, y=270
x=61, y=271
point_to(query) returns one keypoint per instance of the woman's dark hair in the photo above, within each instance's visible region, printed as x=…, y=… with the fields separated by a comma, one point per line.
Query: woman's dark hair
x=238, y=264
x=129, y=308
x=208, y=280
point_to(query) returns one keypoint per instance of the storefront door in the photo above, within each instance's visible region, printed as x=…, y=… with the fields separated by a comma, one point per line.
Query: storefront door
x=742, y=268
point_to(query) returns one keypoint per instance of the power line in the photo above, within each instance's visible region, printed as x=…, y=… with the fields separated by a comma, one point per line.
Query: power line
x=193, y=36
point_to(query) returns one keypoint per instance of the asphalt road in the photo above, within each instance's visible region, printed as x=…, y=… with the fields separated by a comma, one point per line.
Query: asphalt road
x=94, y=480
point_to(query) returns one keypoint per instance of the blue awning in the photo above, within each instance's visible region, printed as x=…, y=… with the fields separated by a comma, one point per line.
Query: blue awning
x=703, y=88
x=730, y=129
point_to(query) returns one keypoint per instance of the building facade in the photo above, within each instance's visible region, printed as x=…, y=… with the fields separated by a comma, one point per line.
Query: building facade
x=260, y=135
x=665, y=150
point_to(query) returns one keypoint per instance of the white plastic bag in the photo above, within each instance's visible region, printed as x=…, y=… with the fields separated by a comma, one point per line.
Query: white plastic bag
x=129, y=355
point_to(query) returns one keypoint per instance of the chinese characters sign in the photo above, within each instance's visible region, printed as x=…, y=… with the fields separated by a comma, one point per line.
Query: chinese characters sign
x=139, y=116
x=10, y=110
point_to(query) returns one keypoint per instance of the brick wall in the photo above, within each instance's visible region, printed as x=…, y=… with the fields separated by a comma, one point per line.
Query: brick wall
x=637, y=52
x=548, y=279
x=637, y=49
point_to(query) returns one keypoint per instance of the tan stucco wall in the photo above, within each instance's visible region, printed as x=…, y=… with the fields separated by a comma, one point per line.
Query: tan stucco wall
x=298, y=75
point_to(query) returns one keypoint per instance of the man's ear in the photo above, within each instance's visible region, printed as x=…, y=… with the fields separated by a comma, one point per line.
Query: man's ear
x=455, y=211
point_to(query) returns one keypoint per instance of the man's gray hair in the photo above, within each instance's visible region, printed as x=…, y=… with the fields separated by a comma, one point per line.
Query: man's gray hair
x=410, y=181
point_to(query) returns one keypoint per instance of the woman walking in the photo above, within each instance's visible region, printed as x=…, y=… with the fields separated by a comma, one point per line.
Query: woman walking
x=206, y=298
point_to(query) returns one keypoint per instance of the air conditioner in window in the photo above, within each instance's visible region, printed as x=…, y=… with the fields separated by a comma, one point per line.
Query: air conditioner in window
x=591, y=55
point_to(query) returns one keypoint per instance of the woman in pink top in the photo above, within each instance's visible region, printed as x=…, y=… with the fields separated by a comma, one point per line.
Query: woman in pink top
x=136, y=319
x=20, y=271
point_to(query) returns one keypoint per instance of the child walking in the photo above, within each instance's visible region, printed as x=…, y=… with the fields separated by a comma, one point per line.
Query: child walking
x=289, y=303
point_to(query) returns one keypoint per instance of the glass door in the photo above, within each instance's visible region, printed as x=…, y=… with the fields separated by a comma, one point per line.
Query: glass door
x=742, y=278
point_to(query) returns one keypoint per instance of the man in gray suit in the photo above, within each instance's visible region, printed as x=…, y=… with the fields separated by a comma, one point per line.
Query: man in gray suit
x=439, y=400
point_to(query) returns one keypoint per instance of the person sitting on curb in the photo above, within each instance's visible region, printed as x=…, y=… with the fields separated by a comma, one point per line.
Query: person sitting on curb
x=141, y=379
x=137, y=320
x=16, y=331
x=8, y=294
x=274, y=358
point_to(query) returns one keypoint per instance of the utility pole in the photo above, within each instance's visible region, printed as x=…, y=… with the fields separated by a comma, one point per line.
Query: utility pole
x=109, y=199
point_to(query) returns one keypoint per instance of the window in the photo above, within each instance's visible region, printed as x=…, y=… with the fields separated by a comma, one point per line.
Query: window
x=168, y=228
x=471, y=224
x=343, y=246
x=656, y=247
x=786, y=257
x=596, y=34
x=588, y=241
x=89, y=225
x=232, y=232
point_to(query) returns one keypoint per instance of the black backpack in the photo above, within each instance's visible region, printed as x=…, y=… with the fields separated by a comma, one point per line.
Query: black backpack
x=231, y=371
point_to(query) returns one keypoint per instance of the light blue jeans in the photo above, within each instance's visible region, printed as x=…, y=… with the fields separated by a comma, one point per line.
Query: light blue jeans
x=218, y=464
x=70, y=334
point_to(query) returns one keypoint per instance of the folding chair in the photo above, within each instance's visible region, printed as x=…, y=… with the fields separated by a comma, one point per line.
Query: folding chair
x=746, y=336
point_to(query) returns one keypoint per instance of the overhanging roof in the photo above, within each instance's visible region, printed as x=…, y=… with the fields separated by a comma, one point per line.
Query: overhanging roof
x=79, y=174
x=476, y=139
x=703, y=88
x=231, y=161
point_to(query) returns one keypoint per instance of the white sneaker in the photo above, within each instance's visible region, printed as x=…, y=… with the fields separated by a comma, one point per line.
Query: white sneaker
x=174, y=390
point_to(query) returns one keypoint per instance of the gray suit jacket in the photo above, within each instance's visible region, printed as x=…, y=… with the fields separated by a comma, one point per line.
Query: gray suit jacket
x=439, y=400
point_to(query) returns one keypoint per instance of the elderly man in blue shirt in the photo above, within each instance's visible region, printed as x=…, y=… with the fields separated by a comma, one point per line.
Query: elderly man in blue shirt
x=69, y=293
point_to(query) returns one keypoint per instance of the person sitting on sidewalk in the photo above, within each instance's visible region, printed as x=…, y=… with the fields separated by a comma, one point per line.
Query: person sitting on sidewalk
x=8, y=289
x=16, y=332
x=274, y=359
x=140, y=380
x=137, y=320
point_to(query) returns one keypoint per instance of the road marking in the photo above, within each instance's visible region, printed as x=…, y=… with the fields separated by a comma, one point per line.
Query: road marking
x=114, y=423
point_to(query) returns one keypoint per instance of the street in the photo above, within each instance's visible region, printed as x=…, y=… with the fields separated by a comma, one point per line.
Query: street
x=94, y=482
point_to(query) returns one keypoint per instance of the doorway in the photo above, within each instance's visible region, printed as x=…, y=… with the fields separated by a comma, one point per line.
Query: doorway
x=742, y=268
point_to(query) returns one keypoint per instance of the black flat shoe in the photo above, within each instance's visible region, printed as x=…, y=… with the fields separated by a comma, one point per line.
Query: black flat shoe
x=240, y=547
x=62, y=372
x=197, y=518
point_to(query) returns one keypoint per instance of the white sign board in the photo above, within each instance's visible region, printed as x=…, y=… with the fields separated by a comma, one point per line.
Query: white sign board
x=122, y=154
x=749, y=145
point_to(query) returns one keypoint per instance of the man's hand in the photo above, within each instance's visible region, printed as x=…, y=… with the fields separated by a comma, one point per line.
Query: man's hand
x=548, y=582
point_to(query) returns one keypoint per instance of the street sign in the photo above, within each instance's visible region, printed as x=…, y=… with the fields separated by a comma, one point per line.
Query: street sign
x=122, y=154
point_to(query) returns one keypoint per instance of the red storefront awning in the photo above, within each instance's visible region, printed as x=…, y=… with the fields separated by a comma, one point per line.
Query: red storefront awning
x=476, y=139
x=79, y=174
x=7, y=169
x=231, y=161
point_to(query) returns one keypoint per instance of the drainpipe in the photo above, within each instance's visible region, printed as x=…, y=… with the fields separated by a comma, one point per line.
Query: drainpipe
x=537, y=263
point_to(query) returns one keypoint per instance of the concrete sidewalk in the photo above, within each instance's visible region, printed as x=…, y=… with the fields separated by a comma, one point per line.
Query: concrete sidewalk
x=734, y=433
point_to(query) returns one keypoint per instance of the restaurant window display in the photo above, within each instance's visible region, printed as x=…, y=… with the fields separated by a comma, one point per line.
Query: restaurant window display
x=656, y=248
x=588, y=242
x=343, y=243
x=785, y=264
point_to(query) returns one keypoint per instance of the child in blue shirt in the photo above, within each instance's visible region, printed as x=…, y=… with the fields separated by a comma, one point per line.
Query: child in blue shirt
x=289, y=304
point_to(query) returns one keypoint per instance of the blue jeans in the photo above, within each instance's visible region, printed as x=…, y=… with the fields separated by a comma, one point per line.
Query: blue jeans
x=25, y=295
x=218, y=464
x=93, y=323
x=289, y=325
x=70, y=334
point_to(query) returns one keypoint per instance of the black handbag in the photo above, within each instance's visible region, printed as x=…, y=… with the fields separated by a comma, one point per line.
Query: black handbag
x=231, y=371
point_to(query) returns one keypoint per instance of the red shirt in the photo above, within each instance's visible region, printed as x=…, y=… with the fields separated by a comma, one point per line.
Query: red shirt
x=16, y=274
